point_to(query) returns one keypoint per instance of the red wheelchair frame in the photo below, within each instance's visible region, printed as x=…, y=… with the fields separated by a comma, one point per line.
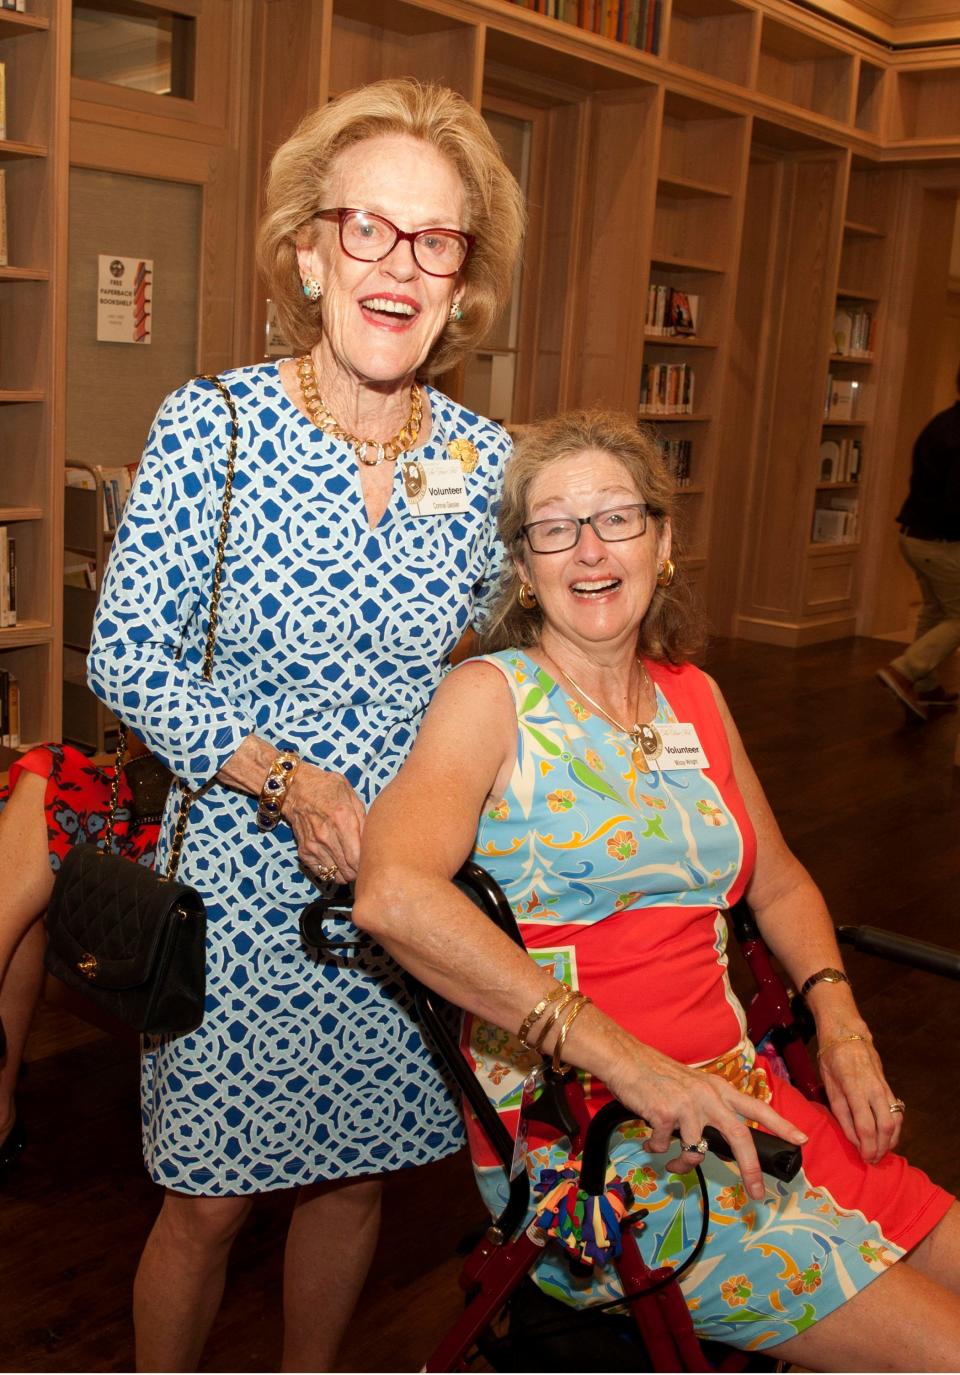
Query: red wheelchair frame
x=500, y=1261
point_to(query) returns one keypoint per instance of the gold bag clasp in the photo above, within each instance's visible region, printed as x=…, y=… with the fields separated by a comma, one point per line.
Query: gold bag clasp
x=88, y=966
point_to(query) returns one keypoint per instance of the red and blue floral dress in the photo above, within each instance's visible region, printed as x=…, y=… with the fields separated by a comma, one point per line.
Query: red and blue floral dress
x=619, y=879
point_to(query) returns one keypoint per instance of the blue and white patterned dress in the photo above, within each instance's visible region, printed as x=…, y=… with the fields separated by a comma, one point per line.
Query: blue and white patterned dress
x=331, y=640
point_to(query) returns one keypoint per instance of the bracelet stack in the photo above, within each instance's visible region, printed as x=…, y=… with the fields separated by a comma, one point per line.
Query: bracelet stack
x=568, y=1001
x=276, y=785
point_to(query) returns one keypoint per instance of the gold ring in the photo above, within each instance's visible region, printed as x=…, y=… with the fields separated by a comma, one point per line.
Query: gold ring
x=898, y=1106
x=326, y=872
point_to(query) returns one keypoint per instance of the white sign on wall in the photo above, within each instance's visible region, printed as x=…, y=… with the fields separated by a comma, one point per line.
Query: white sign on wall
x=124, y=296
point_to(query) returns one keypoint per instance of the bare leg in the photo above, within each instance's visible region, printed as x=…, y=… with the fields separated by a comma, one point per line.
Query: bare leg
x=25, y=886
x=179, y=1283
x=905, y=1320
x=330, y=1244
x=18, y=999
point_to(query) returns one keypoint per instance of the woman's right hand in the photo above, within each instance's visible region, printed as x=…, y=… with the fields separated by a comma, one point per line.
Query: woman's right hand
x=326, y=817
x=677, y=1100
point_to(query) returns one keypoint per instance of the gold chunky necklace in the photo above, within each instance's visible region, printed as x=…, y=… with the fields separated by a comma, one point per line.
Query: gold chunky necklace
x=317, y=409
x=645, y=739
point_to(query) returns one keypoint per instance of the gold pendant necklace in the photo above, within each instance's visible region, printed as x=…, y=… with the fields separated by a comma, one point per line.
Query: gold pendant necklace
x=320, y=415
x=645, y=738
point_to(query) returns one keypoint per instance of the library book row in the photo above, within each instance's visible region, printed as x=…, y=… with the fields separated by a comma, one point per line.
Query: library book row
x=838, y=522
x=842, y=398
x=634, y=22
x=677, y=454
x=8, y=577
x=854, y=332
x=671, y=311
x=666, y=389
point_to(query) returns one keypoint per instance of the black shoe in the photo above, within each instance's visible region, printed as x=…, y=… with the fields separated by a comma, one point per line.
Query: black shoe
x=940, y=699
x=12, y=1147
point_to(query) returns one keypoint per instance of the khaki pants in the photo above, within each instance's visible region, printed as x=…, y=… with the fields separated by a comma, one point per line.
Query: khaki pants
x=936, y=564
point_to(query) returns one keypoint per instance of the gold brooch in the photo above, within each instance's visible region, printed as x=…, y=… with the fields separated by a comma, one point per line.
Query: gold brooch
x=465, y=451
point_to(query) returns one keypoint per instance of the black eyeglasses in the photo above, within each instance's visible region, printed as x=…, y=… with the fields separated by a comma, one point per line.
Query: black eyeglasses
x=368, y=238
x=563, y=532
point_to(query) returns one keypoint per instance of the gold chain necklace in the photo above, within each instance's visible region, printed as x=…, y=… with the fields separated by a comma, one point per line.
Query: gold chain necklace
x=320, y=415
x=645, y=738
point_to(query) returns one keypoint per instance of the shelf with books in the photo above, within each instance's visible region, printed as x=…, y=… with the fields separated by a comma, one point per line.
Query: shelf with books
x=94, y=497
x=635, y=23
x=713, y=36
x=34, y=51
x=800, y=69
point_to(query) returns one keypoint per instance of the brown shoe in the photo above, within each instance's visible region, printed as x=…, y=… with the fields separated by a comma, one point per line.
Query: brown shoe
x=902, y=687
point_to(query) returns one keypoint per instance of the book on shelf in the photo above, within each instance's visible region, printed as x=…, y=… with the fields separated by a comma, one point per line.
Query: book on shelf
x=8, y=578
x=671, y=311
x=116, y=483
x=677, y=454
x=840, y=460
x=3, y=217
x=666, y=389
x=19, y=5
x=841, y=399
x=80, y=573
x=837, y=522
x=854, y=332
x=3, y=100
x=634, y=22
x=9, y=710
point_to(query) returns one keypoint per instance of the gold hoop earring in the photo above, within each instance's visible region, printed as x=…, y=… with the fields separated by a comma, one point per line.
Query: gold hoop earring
x=666, y=572
x=525, y=597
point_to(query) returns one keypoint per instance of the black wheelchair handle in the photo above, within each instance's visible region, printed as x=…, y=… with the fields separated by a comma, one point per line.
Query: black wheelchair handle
x=777, y=1157
x=935, y=959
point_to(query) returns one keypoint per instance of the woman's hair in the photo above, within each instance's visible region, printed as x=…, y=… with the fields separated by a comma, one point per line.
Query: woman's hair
x=299, y=178
x=672, y=628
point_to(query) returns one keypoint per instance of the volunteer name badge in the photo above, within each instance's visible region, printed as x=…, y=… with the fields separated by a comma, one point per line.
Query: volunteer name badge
x=433, y=487
x=681, y=747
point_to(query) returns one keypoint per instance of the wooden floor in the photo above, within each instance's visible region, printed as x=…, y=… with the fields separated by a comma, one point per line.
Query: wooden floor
x=870, y=803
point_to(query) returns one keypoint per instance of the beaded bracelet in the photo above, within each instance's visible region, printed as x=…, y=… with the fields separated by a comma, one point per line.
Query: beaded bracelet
x=276, y=785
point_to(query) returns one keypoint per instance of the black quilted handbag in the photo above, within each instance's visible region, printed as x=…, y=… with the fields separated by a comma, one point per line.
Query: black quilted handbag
x=132, y=940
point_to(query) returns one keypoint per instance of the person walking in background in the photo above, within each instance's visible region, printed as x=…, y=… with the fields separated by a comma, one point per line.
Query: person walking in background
x=930, y=543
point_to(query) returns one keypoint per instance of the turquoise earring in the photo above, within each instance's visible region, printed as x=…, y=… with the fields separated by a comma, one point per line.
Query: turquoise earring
x=455, y=312
x=311, y=289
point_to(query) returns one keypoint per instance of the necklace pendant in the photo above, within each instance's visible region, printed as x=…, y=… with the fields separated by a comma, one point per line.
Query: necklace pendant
x=639, y=760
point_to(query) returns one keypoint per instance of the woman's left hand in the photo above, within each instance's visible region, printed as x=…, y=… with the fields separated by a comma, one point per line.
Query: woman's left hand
x=861, y=1099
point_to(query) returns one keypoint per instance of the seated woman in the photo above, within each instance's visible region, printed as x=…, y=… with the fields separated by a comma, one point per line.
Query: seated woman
x=55, y=798
x=598, y=776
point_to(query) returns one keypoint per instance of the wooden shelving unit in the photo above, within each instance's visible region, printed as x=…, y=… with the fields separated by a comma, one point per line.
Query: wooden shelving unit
x=758, y=162
x=34, y=48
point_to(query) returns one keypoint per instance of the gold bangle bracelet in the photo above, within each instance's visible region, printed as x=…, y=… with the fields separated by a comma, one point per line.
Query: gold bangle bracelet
x=275, y=787
x=557, y=1063
x=537, y=1012
x=571, y=996
x=839, y=1040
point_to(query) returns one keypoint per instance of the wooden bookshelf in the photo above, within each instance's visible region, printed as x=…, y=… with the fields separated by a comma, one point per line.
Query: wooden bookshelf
x=35, y=50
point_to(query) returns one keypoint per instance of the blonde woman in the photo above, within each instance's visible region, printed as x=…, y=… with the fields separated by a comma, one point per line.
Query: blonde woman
x=362, y=543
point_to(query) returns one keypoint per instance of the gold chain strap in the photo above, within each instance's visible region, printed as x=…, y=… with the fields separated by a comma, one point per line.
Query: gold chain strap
x=186, y=801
